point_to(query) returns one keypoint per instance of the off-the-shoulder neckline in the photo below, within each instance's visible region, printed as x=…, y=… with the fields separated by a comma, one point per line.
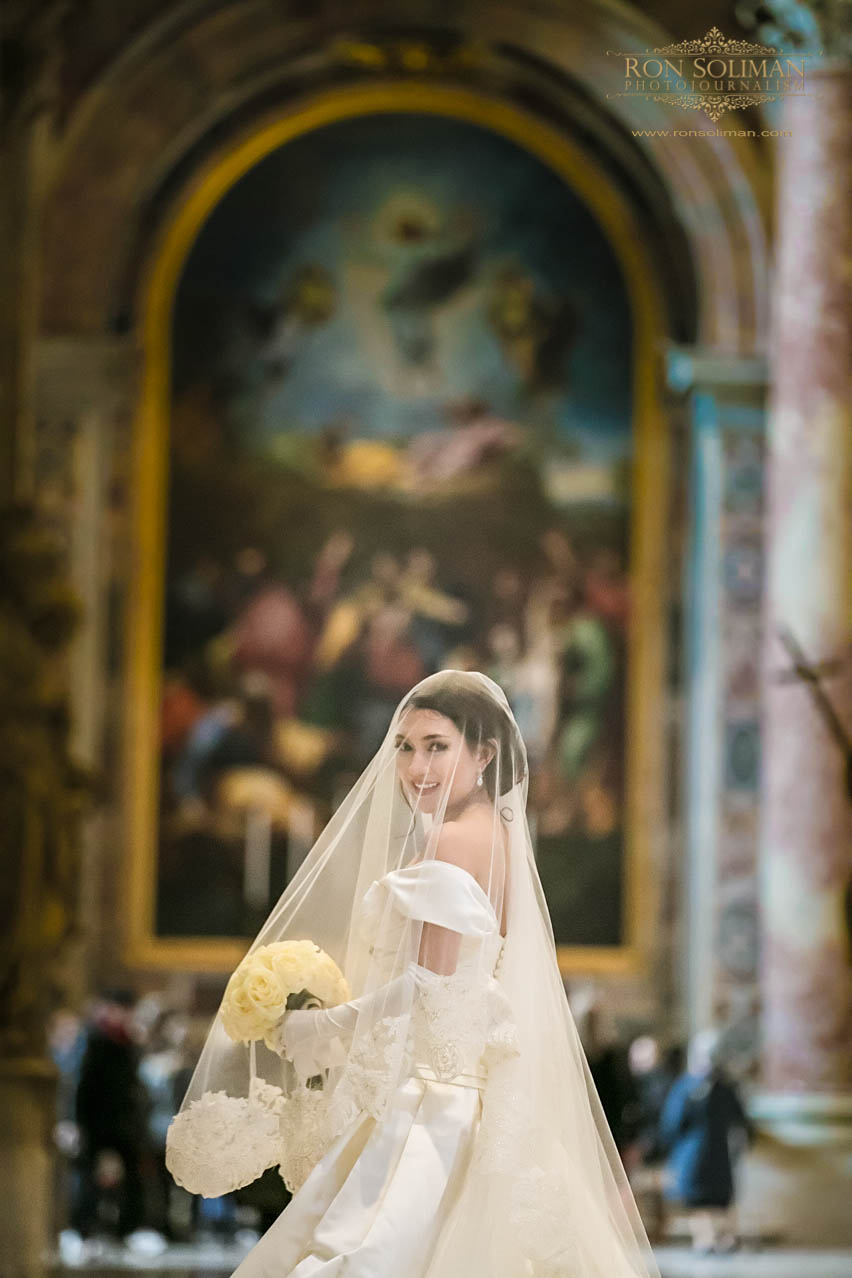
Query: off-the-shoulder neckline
x=450, y=865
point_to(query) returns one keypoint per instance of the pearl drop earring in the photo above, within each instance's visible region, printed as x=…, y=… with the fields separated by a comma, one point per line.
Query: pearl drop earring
x=479, y=779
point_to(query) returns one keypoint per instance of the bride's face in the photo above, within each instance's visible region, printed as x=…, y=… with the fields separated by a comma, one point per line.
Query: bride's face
x=434, y=762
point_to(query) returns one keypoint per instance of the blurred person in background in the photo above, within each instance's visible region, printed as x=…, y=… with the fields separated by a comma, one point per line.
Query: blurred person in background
x=110, y=1115
x=608, y=1065
x=652, y=1078
x=162, y=1071
x=66, y=1039
x=703, y=1127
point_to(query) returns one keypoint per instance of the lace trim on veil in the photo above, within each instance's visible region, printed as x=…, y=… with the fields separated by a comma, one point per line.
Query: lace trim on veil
x=549, y=1212
x=221, y=1142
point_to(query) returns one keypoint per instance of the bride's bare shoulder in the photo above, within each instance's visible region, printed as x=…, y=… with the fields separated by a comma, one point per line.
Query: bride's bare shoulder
x=468, y=843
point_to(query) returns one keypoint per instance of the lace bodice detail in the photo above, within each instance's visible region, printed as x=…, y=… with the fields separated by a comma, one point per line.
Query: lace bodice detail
x=458, y=1021
x=461, y=1024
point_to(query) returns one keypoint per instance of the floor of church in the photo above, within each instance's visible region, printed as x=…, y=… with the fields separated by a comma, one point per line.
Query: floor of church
x=213, y=1261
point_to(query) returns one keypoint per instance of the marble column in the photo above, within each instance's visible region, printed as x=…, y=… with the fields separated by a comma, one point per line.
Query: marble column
x=806, y=844
x=726, y=398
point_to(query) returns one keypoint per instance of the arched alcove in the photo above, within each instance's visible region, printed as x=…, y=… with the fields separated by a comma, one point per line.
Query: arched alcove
x=192, y=78
x=196, y=87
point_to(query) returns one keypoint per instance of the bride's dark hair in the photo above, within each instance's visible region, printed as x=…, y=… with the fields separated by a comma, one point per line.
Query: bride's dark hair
x=480, y=719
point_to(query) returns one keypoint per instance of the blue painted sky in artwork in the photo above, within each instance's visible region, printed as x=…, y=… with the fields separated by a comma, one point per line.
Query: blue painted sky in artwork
x=332, y=198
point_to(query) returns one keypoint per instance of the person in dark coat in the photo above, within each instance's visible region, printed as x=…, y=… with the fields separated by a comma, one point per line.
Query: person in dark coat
x=608, y=1066
x=701, y=1119
x=653, y=1079
x=110, y=1113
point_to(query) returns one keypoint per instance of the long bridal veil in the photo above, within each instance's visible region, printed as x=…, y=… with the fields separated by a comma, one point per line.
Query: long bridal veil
x=545, y=1193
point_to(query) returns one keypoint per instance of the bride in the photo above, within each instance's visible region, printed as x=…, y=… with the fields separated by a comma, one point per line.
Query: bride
x=441, y=1123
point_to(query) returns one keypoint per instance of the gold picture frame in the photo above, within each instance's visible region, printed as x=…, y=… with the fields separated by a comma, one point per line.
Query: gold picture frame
x=644, y=735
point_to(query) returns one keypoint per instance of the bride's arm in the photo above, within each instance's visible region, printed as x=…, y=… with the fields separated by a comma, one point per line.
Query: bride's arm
x=312, y=1038
x=439, y=946
x=439, y=949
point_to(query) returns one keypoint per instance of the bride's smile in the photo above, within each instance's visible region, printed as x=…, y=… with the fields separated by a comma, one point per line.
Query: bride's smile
x=437, y=766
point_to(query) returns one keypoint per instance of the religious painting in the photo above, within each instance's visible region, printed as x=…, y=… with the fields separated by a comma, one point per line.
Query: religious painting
x=400, y=438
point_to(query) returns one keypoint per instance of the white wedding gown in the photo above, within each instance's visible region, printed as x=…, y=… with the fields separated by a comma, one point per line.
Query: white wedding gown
x=376, y=1203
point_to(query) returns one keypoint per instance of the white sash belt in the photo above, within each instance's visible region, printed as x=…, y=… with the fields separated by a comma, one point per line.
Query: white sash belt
x=460, y=1080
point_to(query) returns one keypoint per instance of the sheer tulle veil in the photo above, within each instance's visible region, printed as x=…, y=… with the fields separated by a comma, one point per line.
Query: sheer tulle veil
x=545, y=1194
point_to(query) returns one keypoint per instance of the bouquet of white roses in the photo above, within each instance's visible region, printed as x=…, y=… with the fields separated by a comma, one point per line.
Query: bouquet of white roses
x=274, y=979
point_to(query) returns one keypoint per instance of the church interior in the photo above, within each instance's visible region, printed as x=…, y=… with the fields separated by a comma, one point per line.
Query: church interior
x=348, y=341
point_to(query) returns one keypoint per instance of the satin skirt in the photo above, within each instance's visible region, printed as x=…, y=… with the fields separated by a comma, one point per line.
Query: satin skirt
x=374, y=1207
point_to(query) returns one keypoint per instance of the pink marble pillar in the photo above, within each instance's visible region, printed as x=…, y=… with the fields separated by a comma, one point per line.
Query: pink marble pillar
x=807, y=812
